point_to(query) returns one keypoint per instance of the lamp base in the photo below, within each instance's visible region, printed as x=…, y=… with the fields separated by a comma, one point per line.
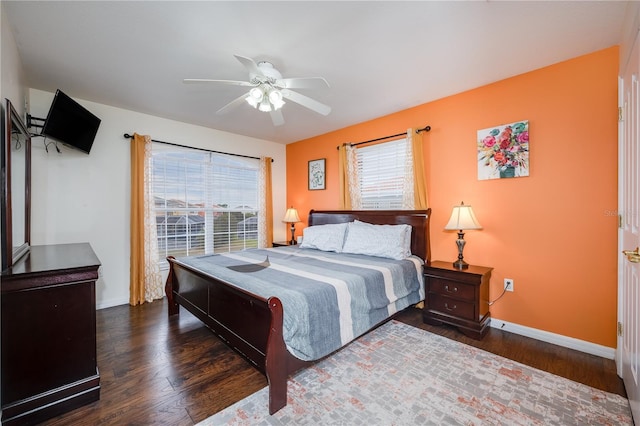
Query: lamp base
x=292, y=241
x=460, y=264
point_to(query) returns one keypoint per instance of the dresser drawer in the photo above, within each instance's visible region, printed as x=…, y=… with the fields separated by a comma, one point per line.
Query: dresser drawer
x=449, y=306
x=452, y=288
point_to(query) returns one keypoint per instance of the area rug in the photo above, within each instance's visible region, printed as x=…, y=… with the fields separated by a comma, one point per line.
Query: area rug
x=402, y=375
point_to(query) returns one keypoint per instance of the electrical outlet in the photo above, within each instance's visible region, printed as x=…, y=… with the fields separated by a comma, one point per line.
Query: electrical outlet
x=508, y=284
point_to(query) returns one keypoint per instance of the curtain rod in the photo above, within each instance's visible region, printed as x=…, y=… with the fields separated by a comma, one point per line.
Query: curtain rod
x=424, y=129
x=128, y=136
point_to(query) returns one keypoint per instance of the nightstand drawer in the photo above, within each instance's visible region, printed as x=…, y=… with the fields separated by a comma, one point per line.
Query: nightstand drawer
x=452, y=289
x=458, y=297
x=449, y=306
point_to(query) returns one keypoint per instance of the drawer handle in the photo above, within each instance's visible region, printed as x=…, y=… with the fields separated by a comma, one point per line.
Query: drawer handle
x=446, y=306
x=446, y=287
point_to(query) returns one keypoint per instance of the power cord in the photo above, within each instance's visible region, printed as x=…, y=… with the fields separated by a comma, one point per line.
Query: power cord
x=499, y=297
x=18, y=146
x=54, y=143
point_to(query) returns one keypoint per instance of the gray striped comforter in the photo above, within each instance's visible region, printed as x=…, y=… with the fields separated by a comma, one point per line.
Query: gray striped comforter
x=329, y=299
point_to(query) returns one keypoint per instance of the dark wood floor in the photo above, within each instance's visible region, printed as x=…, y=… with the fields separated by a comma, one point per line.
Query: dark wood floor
x=159, y=370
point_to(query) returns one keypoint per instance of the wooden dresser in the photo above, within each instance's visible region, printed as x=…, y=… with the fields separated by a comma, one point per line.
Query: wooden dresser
x=48, y=323
x=458, y=297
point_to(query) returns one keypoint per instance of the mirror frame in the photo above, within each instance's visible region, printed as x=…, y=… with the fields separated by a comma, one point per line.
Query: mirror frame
x=10, y=254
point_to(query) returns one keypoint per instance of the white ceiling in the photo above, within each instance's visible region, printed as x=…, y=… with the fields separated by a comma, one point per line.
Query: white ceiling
x=378, y=57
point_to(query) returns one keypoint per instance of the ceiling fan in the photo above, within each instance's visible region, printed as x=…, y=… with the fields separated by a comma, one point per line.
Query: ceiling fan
x=269, y=90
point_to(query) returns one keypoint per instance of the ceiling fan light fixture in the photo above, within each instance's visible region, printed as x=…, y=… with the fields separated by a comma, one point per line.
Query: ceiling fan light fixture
x=275, y=97
x=265, y=98
x=265, y=105
x=257, y=94
x=255, y=97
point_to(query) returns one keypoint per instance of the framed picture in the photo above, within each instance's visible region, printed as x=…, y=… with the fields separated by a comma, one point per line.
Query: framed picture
x=503, y=151
x=316, y=174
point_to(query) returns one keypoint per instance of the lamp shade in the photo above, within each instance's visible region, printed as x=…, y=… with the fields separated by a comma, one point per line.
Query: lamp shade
x=291, y=216
x=265, y=97
x=462, y=218
x=256, y=94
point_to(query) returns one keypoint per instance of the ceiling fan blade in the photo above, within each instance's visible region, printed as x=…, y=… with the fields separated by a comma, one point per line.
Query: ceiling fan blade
x=306, y=102
x=277, y=117
x=304, y=83
x=225, y=82
x=249, y=64
x=233, y=104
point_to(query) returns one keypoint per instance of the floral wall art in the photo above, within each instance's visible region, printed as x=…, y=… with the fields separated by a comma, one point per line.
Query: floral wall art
x=317, y=174
x=503, y=151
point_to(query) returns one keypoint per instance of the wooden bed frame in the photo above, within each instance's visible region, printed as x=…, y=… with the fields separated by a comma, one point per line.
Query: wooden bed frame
x=251, y=324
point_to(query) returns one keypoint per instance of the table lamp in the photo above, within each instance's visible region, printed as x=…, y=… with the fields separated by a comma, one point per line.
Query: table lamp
x=291, y=216
x=462, y=218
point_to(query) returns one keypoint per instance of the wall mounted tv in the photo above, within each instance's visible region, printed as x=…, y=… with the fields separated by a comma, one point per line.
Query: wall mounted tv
x=70, y=123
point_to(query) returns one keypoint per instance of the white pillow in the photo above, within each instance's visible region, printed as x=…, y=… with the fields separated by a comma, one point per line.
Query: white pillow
x=392, y=241
x=405, y=230
x=324, y=237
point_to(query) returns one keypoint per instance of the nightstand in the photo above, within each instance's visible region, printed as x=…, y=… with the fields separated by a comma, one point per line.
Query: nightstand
x=459, y=297
x=282, y=244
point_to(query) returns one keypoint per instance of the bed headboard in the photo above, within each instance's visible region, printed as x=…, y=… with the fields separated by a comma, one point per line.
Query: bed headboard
x=418, y=219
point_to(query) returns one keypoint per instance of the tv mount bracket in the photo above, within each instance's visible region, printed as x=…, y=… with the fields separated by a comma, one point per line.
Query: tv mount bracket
x=30, y=124
x=30, y=121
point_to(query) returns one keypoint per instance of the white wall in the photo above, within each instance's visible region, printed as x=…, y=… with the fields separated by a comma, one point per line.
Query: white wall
x=11, y=74
x=85, y=198
x=630, y=28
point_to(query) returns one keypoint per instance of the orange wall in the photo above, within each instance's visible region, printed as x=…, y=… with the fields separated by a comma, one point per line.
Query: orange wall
x=553, y=232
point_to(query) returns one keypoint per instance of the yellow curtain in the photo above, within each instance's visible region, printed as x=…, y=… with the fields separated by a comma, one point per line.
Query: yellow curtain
x=419, y=182
x=265, y=220
x=350, y=198
x=145, y=279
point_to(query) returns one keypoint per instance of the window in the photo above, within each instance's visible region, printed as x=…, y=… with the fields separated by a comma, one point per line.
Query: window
x=382, y=169
x=205, y=202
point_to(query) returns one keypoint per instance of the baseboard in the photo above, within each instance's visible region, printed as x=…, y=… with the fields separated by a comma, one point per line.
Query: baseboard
x=556, y=339
x=111, y=303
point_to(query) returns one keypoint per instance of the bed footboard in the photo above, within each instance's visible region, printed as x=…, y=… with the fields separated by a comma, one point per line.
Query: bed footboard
x=248, y=323
x=276, y=365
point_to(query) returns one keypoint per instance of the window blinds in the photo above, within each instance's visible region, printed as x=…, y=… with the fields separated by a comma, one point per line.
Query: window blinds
x=205, y=202
x=381, y=170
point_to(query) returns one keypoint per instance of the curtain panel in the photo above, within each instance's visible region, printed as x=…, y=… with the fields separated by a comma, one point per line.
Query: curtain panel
x=350, y=198
x=265, y=201
x=145, y=278
x=408, y=184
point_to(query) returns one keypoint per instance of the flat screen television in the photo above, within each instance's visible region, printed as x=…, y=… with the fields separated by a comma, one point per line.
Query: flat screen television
x=70, y=123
